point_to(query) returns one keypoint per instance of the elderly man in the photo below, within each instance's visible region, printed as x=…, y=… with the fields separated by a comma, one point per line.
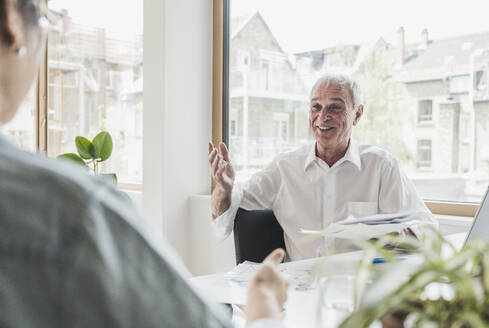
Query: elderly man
x=320, y=184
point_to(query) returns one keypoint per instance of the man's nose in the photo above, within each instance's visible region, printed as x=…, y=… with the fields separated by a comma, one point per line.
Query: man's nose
x=324, y=115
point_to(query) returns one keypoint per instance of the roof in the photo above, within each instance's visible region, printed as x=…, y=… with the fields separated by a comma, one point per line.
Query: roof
x=446, y=57
x=238, y=23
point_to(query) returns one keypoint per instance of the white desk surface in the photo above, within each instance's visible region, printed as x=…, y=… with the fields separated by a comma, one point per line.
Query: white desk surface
x=300, y=309
x=301, y=306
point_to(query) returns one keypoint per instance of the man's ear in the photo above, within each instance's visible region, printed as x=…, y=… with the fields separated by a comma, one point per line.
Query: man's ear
x=358, y=114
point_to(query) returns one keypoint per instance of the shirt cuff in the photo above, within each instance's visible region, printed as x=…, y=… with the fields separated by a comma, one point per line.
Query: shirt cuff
x=266, y=323
x=223, y=224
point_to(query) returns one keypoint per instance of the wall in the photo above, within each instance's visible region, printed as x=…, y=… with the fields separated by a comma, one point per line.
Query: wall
x=208, y=255
x=177, y=112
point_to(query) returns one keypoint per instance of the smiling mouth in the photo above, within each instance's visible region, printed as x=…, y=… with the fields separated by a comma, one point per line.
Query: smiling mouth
x=324, y=128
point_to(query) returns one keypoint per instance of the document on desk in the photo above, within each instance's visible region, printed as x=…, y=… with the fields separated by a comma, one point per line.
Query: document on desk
x=370, y=226
x=299, y=273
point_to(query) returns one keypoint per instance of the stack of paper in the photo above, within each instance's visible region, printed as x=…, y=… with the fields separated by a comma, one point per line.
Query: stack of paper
x=371, y=226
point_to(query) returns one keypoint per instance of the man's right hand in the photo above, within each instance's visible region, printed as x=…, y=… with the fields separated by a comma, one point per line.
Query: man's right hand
x=223, y=173
x=221, y=168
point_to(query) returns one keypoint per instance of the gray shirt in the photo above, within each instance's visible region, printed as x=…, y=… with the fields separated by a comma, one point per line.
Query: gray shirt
x=73, y=254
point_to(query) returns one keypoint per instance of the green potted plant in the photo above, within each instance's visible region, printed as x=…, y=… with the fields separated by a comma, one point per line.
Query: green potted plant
x=446, y=287
x=92, y=153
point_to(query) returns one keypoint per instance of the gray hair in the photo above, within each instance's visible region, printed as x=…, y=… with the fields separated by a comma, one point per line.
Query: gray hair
x=344, y=81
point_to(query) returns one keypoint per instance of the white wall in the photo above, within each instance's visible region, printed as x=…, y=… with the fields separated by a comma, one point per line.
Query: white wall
x=177, y=112
x=206, y=254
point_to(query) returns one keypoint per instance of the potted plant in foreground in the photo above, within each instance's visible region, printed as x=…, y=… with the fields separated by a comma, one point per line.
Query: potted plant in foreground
x=446, y=287
x=92, y=153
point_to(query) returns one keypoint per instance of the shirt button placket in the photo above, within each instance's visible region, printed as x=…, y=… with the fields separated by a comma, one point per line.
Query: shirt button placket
x=329, y=208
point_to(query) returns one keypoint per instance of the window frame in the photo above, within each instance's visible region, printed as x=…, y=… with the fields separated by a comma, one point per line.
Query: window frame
x=220, y=102
x=41, y=111
x=422, y=146
x=423, y=117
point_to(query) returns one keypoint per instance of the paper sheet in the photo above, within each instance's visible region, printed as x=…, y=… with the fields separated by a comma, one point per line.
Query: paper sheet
x=301, y=275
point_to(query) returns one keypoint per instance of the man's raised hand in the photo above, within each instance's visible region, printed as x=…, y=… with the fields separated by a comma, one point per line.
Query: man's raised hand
x=221, y=168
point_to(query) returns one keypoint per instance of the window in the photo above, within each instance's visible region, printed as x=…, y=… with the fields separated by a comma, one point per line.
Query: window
x=281, y=127
x=425, y=110
x=243, y=59
x=265, y=65
x=402, y=75
x=480, y=80
x=95, y=81
x=424, y=153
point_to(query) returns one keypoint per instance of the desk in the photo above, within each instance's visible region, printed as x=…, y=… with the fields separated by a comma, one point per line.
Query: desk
x=301, y=306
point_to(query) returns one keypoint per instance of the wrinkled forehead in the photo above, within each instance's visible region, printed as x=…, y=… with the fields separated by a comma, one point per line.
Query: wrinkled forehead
x=330, y=89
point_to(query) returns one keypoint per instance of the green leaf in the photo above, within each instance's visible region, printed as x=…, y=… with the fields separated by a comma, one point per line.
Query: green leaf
x=84, y=147
x=73, y=158
x=110, y=176
x=103, y=146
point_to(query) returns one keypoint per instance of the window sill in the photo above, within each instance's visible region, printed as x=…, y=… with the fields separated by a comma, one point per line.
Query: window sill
x=453, y=220
x=427, y=124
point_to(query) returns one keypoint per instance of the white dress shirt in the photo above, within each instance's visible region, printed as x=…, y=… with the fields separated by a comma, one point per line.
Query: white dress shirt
x=305, y=193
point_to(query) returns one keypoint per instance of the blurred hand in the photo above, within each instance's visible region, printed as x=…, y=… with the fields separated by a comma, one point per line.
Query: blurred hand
x=268, y=290
x=221, y=168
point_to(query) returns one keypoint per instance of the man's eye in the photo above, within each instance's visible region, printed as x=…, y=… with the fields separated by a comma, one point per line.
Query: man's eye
x=335, y=108
x=316, y=107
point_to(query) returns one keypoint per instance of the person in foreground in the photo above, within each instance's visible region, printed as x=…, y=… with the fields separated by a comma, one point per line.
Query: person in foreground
x=72, y=250
x=322, y=183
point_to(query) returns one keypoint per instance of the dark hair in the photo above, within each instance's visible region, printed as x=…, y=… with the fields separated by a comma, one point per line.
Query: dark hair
x=29, y=12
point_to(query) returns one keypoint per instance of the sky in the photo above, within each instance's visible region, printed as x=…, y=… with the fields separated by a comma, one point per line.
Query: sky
x=314, y=24
x=121, y=18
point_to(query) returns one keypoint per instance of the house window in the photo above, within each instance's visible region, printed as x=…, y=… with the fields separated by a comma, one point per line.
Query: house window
x=265, y=66
x=424, y=153
x=243, y=59
x=425, y=110
x=480, y=80
x=281, y=126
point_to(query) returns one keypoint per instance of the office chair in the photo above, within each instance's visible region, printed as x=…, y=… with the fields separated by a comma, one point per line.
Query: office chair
x=256, y=234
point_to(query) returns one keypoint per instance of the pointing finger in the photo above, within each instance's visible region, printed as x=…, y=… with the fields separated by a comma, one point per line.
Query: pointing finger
x=275, y=257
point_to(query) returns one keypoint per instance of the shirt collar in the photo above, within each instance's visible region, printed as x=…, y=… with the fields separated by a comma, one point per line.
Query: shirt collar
x=311, y=156
x=352, y=155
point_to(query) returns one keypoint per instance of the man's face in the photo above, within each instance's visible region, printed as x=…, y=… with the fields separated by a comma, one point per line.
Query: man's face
x=332, y=116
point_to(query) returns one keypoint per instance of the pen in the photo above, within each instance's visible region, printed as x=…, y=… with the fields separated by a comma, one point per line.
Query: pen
x=378, y=260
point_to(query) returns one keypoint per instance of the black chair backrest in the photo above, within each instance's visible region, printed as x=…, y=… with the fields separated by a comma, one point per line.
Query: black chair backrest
x=256, y=234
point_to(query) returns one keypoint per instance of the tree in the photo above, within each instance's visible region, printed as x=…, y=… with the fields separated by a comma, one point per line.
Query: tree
x=386, y=121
